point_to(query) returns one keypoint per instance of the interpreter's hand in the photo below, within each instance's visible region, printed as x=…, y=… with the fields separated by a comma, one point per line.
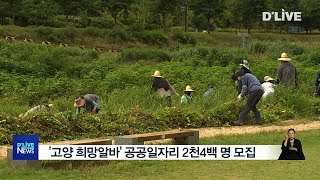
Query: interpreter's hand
x=94, y=112
x=293, y=149
x=239, y=98
x=286, y=136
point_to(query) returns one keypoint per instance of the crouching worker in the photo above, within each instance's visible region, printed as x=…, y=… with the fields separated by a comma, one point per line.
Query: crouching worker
x=37, y=109
x=162, y=86
x=187, y=97
x=208, y=92
x=268, y=86
x=251, y=86
x=90, y=103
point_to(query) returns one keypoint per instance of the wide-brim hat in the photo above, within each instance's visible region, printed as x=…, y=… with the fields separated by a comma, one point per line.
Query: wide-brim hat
x=157, y=74
x=268, y=78
x=284, y=57
x=79, y=102
x=245, y=64
x=188, y=89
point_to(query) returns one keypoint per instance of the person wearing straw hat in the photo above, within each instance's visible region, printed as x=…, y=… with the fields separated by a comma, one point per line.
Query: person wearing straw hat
x=244, y=69
x=187, y=97
x=268, y=86
x=250, y=86
x=287, y=72
x=37, y=109
x=90, y=103
x=162, y=86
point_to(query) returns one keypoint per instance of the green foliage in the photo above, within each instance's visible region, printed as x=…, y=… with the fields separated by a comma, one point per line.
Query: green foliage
x=33, y=74
x=152, y=37
x=99, y=22
x=274, y=49
x=312, y=58
x=184, y=38
x=134, y=54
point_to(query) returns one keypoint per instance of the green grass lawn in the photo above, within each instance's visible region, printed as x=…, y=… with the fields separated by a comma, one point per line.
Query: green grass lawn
x=187, y=169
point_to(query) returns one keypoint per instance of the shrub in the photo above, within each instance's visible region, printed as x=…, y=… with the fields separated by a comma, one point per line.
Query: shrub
x=184, y=38
x=96, y=32
x=151, y=37
x=99, y=22
x=54, y=22
x=134, y=54
x=257, y=48
x=225, y=57
x=312, y=58
x=44, y=32
x=118, y=33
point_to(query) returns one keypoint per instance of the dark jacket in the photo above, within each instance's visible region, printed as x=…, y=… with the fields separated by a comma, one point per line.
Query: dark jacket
x=249, y=84
x=317, y=85
x=160, y=83
x=287, y=154
x=243, y=71
x=287, y=74
x=91, y=101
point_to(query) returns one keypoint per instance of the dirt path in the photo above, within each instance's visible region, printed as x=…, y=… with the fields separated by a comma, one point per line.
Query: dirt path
x=214, y=131
x=210, y=132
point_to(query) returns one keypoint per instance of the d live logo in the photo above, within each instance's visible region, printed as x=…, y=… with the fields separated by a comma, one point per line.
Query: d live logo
x=283, y=16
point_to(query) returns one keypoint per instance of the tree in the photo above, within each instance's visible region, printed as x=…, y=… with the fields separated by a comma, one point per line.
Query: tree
x=211, y=9
x=310, y=14
x=10, y=8
x=165, y=9
x=116, y=7
x=287, y=5
x=38, y=11
x=251, y=11
x=140, y=11
x=69, y=7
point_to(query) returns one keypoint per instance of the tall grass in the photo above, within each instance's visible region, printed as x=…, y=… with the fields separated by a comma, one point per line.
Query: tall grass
x=33, y=74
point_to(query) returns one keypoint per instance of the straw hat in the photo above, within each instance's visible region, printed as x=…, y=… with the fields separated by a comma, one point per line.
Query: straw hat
x=284, y=57
x=79, y=102
x=268, y=78
x=157, y=74
x=188, y=89
x=245, y=64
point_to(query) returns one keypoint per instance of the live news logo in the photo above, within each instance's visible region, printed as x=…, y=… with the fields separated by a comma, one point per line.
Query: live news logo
x=25, y=147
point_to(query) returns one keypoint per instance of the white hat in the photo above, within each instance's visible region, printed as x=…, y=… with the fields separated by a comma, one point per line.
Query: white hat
x=245, y=64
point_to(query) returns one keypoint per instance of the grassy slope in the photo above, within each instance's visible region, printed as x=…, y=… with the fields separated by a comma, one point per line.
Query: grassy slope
x=94, y=37
x=55, y=75
x=189, y=169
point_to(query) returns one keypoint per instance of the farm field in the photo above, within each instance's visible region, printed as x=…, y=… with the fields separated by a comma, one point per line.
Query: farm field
x=33, y=74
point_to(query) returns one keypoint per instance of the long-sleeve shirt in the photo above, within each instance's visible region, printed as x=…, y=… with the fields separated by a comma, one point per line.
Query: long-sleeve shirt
x=186, y=99
x=208, y=92
x=267, y=88
x=318, y=79
x=287, y=74
x=92, y=102
x=288, y=154
x=249, y=83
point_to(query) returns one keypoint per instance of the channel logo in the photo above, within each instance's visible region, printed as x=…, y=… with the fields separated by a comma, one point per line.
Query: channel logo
x=25, y=147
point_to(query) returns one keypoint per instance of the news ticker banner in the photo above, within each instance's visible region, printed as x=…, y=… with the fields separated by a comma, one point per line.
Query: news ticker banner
x=31, y=150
